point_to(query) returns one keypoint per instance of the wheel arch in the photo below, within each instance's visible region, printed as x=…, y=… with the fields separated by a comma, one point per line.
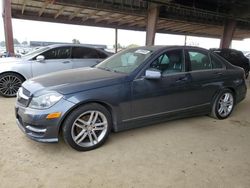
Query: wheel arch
x=104, y=104
x=13, y=72
x=222, y=89
x=233, y=91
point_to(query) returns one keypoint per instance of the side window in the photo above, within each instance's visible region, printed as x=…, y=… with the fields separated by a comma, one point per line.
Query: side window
x=101, y=55
x=169, y=62
x=199, y=60
x=57, y=53
x=216, y=63
x=84, y=53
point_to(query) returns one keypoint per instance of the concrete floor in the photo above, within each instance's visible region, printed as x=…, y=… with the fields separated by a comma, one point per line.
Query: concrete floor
x=193, y=152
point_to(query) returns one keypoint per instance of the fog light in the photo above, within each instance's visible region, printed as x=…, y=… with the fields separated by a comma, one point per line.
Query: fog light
x=53, y=115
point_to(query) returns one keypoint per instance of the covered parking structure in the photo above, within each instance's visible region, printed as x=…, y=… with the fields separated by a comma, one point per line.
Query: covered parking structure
x=208, y=18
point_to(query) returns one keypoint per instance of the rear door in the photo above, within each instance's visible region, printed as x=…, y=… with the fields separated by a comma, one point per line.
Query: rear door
x=56, y=59
x=86, y=57
x=206, y=74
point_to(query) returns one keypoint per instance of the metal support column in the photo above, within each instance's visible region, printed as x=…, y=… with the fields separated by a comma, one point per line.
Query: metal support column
x=228, y=33
x=116, y=40
x=153, y=14
x=8, y=27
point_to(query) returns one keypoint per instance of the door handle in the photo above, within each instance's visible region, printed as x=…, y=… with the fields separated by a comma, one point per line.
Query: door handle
x=182, y=79
x=65, y=62
x=218, y=73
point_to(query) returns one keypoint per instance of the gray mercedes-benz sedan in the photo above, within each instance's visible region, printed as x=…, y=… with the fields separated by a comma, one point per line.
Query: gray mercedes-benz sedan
x=58, y=57
x=133, y=88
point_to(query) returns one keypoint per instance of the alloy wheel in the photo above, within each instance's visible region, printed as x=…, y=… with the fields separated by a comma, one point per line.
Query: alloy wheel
x=9, y=85
x=225, y=104
x=89, y=128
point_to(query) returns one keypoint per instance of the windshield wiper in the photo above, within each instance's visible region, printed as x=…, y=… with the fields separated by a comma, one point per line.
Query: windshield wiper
x=105, y=68
x=110, y=70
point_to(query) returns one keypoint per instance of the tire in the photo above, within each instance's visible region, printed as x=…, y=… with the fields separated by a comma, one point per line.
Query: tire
x=87, y=127
x=247, y=74
x=10, y=83
x=223, y=104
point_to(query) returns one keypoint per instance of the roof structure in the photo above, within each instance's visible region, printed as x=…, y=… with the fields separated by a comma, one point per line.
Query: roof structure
x=197, y=17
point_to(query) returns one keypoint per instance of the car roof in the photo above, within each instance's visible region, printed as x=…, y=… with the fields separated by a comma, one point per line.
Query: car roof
x=72, y=45
x=162, y=47
x=224, y=50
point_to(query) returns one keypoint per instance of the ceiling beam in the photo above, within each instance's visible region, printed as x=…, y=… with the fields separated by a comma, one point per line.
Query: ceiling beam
x=93, y=13
x=59, y=12
x=130, y=21
x=107, y=18
x=103, y=5
x=166, y=24
x=88, y=16
x=121, y=18
x=85, y=18
x=46, y=3
x=138, y=22
x=78, y=11
x=24, y=5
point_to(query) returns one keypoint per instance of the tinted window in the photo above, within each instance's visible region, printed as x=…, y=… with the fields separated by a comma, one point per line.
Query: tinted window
x=199, y=60
x=101, y=55
x=169, y=62
x=86, y=53
x=216, y=63
x=57, y=53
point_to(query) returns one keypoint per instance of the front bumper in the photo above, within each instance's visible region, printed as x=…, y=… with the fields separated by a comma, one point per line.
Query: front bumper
x=34, y=124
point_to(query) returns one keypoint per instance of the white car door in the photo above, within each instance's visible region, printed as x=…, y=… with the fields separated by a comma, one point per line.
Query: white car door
x=56, y=59
x=86, y=57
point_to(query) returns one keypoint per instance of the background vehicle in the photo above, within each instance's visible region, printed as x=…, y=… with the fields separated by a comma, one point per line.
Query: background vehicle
x=130, y=89
x=248, y=56
x=235, y=57
x=14, y=71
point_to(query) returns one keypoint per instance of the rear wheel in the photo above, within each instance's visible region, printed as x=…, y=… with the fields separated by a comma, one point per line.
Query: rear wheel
x=87, y=127
x=10, y=83
x=247, y=74
x=223, y=105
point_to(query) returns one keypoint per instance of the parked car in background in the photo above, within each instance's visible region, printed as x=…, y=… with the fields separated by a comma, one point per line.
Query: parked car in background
x=14, y=71
x=132, y=88
x=235, y=57
x=248, y=56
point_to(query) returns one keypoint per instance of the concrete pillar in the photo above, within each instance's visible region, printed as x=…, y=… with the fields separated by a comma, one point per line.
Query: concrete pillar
x=228, y=33
x=153, y=14
x=8, y=27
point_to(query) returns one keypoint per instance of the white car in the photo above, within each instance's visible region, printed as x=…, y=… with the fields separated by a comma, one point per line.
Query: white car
x=49, y=59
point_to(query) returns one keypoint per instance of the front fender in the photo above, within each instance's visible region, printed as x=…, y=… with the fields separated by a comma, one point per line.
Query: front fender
x=22, y=68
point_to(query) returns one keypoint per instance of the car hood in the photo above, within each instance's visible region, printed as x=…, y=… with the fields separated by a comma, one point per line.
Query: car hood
x=10, y=60
x=72, y=81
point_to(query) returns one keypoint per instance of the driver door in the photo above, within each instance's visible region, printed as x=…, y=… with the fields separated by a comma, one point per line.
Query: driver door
x=56, y=59
x=167, y=94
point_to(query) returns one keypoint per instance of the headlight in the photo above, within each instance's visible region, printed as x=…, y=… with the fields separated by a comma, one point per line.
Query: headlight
x=45, y=101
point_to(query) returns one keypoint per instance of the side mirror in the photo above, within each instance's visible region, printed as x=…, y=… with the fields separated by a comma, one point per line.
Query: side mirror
x=40, y=58
x=153, y=74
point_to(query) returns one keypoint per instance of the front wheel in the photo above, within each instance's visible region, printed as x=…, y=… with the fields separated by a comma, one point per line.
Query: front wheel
x=87, y=127
x=223, y=105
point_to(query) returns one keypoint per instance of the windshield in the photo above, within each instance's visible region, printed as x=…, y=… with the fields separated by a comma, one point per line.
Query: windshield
x=126, y=61
x=35, y=52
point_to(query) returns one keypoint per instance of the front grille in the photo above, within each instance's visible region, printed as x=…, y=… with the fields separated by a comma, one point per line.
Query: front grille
x=23, y=96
